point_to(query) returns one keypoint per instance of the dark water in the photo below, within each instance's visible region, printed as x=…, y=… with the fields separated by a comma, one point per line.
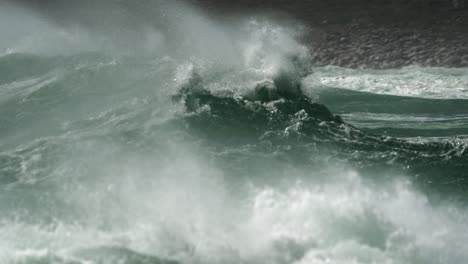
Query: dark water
x=222, y=143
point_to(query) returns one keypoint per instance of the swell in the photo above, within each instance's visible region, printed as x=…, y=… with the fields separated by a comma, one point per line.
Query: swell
x=275, y=116
x=308, y=129
x=345, y=101
x=139, y=176
x=205, y=146
x=16, y=66
x=398, y=116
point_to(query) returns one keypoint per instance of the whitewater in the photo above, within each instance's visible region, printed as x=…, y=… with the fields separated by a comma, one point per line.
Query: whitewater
x=190, y=138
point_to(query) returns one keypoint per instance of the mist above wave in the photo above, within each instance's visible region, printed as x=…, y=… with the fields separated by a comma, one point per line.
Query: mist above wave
x=190, y=139
x=161, y=29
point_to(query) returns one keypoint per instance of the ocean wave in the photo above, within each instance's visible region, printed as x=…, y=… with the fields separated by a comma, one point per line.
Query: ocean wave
x=208, y=142
x=435, y=83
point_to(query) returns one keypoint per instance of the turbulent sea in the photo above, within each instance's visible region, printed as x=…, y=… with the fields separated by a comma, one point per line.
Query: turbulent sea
x=196, y=141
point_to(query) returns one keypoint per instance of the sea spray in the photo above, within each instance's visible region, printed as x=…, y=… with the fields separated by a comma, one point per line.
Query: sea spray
x=161, y=135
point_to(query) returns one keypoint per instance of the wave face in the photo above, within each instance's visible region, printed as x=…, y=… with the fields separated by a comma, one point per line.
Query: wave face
x=190, y=140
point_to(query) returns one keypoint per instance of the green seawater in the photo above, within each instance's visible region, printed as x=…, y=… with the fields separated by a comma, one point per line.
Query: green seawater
x=145, y=158
x=102, y=162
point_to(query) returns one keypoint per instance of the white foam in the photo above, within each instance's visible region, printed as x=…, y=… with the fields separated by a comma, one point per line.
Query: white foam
x=178, y=205
x=377, y=120
x=190, y=217
x=443, y=83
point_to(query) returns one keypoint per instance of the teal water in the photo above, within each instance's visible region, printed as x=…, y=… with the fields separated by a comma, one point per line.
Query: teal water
x=225, y=146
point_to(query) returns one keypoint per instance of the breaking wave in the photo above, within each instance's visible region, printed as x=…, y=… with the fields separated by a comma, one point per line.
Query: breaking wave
x=215, y=142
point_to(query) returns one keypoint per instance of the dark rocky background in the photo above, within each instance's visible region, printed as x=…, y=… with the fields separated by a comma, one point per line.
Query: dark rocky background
x=375, y=33
x=349, y=33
